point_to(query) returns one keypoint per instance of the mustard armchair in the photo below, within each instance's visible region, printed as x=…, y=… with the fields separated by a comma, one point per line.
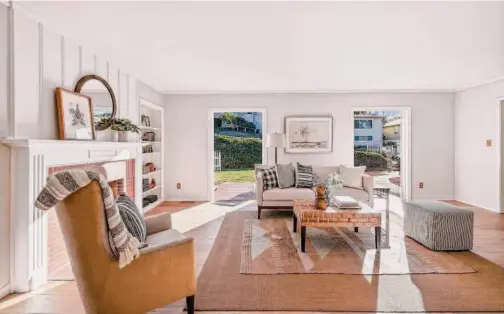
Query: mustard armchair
x=164, y=272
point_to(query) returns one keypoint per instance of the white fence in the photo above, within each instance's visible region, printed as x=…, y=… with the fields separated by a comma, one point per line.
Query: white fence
x=217, y=161
x=367, y=147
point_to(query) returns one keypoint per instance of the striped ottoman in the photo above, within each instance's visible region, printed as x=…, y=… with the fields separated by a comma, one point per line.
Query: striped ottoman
x=439, y=226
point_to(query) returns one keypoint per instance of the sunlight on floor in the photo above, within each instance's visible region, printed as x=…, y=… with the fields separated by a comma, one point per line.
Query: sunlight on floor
x=13, y=300
x=196, y=216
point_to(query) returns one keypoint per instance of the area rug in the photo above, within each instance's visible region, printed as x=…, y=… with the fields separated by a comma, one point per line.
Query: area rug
x=221, y=287
x=269, y=246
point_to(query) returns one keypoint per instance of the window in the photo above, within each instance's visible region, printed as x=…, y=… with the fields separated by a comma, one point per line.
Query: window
x=363, y=138
x=363, y=124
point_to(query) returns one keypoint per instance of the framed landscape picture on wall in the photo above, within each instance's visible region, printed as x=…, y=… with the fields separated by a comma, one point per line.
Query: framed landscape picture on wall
x=308, y=134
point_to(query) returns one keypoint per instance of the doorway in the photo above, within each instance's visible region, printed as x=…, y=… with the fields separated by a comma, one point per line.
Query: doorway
x=381, y=141
x=236, y=145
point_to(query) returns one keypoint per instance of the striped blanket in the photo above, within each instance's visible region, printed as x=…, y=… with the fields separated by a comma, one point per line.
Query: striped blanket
x=62, y=184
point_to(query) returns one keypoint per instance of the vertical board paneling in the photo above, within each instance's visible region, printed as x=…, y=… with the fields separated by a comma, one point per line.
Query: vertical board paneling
x=26, y=79
x=114, y=83
x=101, y=67
x=51, y=79
x=4, y=76
x=133, y=105
x=88, y=64
x=43, y=61
x=4, y=153
x=71, y=60
x=123, y=94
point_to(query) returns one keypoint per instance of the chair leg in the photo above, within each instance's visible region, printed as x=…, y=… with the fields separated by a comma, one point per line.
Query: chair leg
x=190, y=304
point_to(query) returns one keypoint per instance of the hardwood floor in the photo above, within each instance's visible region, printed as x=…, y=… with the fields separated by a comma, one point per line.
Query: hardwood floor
x=61, y=297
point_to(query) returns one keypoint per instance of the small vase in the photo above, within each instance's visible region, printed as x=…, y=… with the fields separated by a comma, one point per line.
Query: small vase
x=123, y=136
x=115, y=136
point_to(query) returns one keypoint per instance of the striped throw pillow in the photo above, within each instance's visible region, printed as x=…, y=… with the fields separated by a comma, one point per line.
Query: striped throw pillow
x=304, y=178
x=132, y=217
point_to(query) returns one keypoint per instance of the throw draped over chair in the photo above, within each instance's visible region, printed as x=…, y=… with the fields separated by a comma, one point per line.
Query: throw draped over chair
x=163, y=273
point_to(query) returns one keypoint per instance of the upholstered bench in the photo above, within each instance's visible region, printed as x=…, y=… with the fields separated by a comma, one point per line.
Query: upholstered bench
x=439, y=226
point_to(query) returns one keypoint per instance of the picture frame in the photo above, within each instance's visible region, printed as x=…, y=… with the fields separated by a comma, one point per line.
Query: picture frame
x=308, y=134
x=75, y=115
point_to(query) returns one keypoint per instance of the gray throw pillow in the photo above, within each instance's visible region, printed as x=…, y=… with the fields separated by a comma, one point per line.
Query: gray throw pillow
x=286, y=175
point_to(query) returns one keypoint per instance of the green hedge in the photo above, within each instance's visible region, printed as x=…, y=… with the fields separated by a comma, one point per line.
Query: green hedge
x=370, y=160
x=238, y=152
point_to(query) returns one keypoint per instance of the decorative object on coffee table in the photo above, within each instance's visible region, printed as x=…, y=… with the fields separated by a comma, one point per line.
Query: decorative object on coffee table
x=321, y=202
x=306, y=215
x=345, y=202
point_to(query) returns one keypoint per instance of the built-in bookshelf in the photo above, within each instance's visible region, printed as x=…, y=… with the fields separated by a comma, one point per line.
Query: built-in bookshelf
x=152, y=125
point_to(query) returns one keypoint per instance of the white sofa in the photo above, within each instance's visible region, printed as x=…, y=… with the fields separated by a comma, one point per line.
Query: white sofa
x=281, y=199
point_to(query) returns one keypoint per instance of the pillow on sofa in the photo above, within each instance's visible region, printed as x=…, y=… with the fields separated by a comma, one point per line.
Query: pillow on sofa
x=304, y=177
x=352, y=176
x=286, y=175
x=269, y=177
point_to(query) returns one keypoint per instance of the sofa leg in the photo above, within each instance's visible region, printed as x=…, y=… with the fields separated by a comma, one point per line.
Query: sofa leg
x=190, y=304
x=259, y=208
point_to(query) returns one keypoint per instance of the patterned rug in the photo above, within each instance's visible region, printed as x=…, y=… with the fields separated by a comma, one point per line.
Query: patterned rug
x=221, y=286
x=269, y=246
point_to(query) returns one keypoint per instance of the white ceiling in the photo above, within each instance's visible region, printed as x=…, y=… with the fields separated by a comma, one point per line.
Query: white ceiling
x=296, y=46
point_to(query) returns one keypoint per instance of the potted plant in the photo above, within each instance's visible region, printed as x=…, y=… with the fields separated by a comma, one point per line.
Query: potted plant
x=122, y=126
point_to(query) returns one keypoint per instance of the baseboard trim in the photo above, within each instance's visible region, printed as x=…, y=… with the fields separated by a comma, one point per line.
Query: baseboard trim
x=184, y=199
x=433, y=198
x=5, y=290
x=480, y=206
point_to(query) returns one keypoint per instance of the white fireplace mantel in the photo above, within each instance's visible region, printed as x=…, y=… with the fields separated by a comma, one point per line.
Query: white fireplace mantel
x=30, y=162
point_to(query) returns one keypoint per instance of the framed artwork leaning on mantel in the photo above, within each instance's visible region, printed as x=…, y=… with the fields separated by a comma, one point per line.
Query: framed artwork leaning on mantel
x=75, y=115
x=308, y=134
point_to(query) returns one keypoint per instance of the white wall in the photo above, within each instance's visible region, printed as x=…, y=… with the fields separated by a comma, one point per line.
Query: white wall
x=45, y=60
x=4, y=155
x=186, y=136
x=148, y=93
x=476, y=165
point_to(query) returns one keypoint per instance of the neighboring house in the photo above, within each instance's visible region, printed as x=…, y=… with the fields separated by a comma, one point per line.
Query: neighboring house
x=392, y=130
x=254, y=117
x=368, y=132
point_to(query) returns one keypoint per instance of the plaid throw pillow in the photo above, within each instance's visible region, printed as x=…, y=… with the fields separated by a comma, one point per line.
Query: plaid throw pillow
x=269, y=177
x=304, y=177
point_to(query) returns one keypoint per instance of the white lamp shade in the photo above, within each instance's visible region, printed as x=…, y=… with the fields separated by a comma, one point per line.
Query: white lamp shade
x=275, y=140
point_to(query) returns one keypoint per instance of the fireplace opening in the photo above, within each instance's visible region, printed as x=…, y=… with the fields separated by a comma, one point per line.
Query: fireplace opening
x=121, y=178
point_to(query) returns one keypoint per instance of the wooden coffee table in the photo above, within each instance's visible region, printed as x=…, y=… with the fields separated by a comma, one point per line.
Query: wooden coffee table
x=306, y=215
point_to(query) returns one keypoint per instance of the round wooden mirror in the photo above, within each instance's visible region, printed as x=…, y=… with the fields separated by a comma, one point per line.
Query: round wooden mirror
x=102, y=98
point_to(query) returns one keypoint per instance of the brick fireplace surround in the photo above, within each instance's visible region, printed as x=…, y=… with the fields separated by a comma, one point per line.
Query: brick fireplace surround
x=31, y=162
x=58, y=262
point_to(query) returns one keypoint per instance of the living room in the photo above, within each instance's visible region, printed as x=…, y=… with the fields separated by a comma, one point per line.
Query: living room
x=340, y=243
